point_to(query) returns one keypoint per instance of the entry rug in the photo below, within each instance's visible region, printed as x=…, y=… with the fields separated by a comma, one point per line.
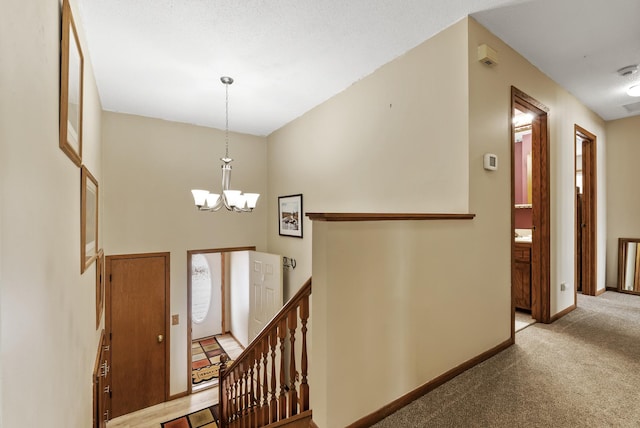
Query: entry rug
x=205, y=363
x=205, y=418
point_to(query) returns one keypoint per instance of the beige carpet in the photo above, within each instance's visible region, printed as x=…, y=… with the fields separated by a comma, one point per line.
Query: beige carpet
x=581, y=371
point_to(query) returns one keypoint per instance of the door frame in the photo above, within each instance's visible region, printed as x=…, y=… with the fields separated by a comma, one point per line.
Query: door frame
x=190, y=254
x=167, y=303
x=590, y=203
x=541, y=206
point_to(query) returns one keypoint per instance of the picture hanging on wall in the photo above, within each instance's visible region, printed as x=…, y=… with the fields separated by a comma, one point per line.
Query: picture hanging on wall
x=71, y=77
x=88, y=219
x=290, y=215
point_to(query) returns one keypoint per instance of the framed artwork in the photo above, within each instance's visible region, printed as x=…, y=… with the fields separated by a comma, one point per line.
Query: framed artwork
x=88, y=219
x=290, y=215
x=71, y=78
x=99, y=286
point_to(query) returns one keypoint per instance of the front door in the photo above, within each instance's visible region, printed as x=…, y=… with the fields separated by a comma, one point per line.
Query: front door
x=137, y=315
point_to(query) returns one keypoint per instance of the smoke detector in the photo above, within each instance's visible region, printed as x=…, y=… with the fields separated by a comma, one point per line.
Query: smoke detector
x=628, y=70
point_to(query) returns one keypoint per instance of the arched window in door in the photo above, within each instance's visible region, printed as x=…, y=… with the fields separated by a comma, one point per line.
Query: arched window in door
x=201, y=288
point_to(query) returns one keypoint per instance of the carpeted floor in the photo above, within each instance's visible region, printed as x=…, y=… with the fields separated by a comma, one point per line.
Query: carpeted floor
x=205, y=418
x=581, y=371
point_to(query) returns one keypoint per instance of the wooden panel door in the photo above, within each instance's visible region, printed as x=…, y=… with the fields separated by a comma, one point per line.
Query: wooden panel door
x=137, y=319
x=541, y=205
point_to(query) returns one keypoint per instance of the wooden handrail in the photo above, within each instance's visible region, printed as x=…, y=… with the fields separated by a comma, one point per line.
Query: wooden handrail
x=263, y=385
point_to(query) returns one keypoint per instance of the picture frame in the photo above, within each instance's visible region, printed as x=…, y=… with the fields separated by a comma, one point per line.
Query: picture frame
x=71, y=88
x=88, y=219
x=99, y=286
x=290, y=214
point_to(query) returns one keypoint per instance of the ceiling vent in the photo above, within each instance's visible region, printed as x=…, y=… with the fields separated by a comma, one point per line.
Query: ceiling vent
x=628, y=70
x=633, y=107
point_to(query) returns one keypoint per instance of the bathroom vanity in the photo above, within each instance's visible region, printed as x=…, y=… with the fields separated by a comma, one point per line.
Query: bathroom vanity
x=522, y=278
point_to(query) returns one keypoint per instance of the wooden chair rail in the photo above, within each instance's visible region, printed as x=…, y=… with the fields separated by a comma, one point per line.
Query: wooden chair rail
x=386, y=216
x=263, y=386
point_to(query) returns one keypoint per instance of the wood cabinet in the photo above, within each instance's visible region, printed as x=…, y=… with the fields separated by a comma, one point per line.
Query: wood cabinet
x=522, y=277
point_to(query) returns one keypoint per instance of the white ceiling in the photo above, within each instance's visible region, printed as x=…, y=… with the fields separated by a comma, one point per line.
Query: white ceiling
x=164, y=58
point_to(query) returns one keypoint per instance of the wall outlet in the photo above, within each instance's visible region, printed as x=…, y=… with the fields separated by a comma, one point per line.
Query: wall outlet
x=563, y=286
x=175, y=319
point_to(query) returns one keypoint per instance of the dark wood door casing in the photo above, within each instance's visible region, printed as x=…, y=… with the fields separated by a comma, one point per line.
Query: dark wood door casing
x=541, y=203
x=138, y=326
x=588, y=213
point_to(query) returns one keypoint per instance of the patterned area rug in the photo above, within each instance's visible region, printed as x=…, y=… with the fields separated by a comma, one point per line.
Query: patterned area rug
x=205, y=418
x=205, y=360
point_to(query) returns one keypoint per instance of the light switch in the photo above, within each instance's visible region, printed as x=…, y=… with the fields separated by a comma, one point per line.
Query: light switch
x=175, y=319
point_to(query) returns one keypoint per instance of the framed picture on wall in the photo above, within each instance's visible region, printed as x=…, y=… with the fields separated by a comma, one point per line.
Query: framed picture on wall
x=290, y=215
x=71, y=77
x=99, y=286
x=88, y=219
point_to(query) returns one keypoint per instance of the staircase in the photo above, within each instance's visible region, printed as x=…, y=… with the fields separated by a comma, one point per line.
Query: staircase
x=263, y=387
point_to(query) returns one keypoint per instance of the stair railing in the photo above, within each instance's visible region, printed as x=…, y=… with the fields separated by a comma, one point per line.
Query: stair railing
x=262, y=386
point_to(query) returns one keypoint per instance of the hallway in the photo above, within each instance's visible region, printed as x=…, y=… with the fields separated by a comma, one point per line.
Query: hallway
x=582, y=370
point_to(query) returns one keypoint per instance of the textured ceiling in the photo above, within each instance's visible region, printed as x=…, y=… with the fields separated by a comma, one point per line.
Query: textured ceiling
x=164, y=58
x=579, y=44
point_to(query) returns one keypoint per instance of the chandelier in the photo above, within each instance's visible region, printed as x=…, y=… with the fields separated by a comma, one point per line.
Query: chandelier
x=232, y=200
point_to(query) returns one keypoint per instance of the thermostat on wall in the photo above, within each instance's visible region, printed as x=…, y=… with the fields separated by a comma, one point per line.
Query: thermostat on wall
x=490, y=161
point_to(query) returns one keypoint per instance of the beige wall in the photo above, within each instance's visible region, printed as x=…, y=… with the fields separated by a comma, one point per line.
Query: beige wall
x=362, y=271
x=150, y=166
x=489, y=106
x=396, y=304
x=391, y=142
x=48, y=339
x=623, y=204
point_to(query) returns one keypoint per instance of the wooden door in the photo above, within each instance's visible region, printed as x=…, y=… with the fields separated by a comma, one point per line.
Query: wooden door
x=578, y=239
x=541, y=206
x=265, y=277
x=587, y=214
x=137, y=319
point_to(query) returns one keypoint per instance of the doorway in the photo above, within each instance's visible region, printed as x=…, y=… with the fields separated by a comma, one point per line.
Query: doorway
x=207, y=313
x=530, y=253
x=137, y=318
x=586, y=203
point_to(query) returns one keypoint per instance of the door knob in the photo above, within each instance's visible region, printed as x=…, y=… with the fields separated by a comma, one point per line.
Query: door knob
x=160, y=338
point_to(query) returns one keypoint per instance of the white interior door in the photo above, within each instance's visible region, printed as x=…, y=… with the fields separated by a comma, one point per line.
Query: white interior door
x=265, y=300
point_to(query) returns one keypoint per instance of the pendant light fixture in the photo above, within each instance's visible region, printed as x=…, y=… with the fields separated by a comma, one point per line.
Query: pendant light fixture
x=232, y=200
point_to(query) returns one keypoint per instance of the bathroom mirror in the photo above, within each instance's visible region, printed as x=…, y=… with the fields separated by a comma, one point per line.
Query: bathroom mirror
x=522, y=133
x=629, y=265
